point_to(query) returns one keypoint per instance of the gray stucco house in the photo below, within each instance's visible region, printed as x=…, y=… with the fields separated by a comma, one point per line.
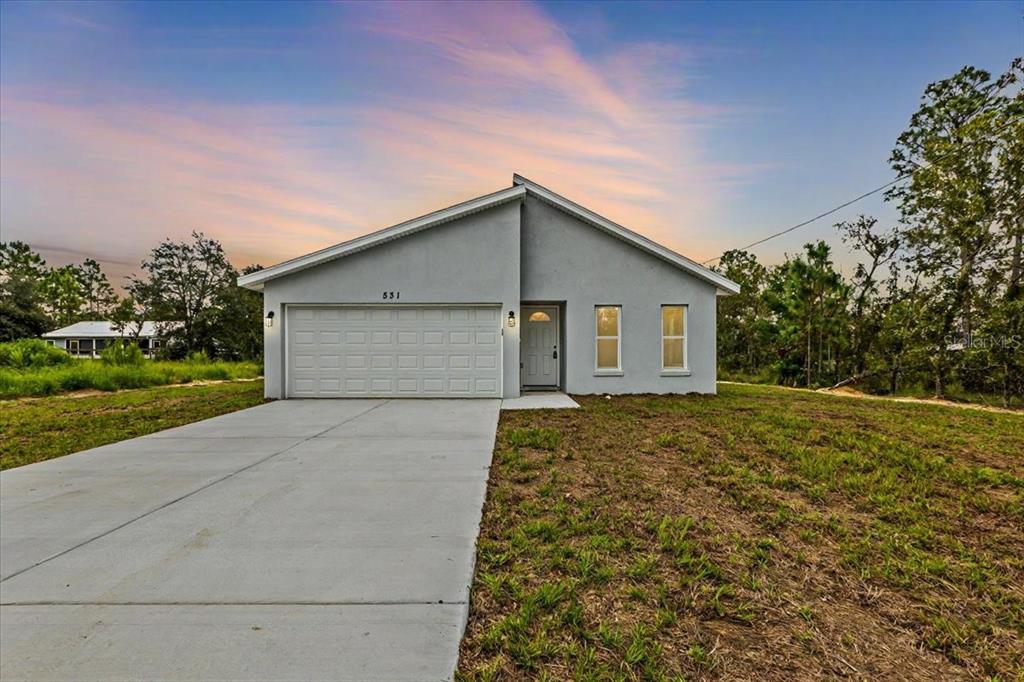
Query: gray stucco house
x=517, y=290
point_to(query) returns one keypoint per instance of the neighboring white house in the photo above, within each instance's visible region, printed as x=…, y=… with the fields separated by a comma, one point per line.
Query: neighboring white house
x=88, y=339
x=517, y=290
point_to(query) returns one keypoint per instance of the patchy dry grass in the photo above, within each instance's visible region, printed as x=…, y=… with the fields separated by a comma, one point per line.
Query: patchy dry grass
x=760, y=534
x=38, y=429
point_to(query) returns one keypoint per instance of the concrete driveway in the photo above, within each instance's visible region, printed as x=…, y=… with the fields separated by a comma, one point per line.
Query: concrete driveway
x=297, y=540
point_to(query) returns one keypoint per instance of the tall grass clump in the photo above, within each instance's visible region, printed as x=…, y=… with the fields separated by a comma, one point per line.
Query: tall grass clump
x=121, y=366
x=31, y=353
x=121, y=353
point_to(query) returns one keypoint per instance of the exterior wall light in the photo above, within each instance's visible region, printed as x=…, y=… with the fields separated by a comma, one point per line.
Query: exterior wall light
x=511, y=318
x=269, y=320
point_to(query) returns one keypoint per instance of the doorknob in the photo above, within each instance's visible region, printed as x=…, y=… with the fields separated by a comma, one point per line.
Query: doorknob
x=554, y=353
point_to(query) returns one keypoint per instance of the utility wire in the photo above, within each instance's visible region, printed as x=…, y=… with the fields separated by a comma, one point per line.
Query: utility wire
x=843, y=205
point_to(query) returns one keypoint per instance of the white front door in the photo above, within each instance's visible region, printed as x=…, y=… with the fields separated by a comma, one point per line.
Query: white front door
x=539, y=349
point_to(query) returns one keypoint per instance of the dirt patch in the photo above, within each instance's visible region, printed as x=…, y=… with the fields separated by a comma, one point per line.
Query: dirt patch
x=848, y=392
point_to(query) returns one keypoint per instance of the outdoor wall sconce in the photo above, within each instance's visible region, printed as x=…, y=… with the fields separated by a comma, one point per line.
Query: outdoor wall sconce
x=511, y=318
x=269, y=321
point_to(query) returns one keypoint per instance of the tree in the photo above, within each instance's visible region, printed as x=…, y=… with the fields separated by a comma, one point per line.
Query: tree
x=128, y=315
x=237, y=325
x=955, y=212
x=809, y=298
x=62, y=293
x=99, y=296
x=21, y=275
x=182, y=281
x=743, y=319
x=866, y=316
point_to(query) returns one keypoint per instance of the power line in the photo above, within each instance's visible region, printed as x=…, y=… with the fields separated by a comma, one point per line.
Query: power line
x=843, y=205
x=817, y=217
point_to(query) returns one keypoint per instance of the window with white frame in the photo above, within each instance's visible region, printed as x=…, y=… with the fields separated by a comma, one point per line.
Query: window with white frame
x=673, y=338
x=607, y=319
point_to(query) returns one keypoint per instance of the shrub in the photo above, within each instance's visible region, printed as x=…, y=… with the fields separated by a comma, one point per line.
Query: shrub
x=122, y=353
x=28, y=353
x=198, y=357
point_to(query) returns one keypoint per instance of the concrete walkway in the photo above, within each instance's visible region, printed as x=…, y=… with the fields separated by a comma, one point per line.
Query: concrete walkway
x=298, y=540
x=546, y=400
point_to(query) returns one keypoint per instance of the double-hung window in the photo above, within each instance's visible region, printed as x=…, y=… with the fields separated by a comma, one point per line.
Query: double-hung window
x=673, y=338
x=608, y=323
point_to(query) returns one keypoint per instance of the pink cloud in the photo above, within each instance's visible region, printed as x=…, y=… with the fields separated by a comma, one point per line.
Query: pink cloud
x=502, y=89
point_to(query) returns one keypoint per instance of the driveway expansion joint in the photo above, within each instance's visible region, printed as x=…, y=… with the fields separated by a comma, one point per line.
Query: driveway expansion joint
x=189, y=494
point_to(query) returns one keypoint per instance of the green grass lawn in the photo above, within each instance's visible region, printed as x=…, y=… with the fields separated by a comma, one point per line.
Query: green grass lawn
x=37, y=429
x=77, y=374
x=758, y=534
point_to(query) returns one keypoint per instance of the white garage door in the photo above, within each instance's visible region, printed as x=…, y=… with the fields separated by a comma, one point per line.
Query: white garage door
x=349, y=351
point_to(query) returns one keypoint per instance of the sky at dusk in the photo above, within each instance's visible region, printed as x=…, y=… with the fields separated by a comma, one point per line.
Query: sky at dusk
x=283, y=128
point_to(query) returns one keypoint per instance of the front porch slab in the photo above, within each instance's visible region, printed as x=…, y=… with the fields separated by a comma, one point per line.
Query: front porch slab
x=552, y=400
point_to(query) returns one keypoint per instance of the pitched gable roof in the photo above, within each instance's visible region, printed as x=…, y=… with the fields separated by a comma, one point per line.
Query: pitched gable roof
x=520, y=188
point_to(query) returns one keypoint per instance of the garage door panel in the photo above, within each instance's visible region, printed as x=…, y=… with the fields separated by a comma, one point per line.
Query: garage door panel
x=338, y=351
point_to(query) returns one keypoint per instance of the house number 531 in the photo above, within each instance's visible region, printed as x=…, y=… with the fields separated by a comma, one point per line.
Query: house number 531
x=391, y=294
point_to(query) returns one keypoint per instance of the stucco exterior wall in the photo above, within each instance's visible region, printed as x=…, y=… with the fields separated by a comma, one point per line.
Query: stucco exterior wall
x=522, y=252
x=474, y=259
x=566, y=260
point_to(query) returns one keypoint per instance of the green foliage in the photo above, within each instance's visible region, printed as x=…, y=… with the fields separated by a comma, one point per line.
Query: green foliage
x=962, y=209
x=77, y=374
x=542, y=439
x=197, y=357
x=34, y=298
x=190, y=282
x=744, y=325
x=809, y=300
x=21, y=311
x=937, y=301
x=98, y=296
x=63, y=294
x=122, y=353
x=31, y=353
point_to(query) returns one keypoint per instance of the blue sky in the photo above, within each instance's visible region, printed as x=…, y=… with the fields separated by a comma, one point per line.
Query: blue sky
x=281, y=128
